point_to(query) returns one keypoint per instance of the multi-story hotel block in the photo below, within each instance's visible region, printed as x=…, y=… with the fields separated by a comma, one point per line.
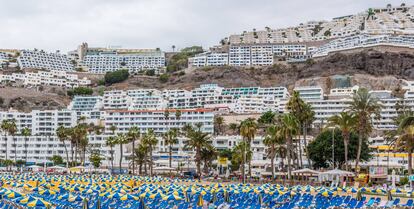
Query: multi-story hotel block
x=102, y=60
x=48, y=78
x=39, y=59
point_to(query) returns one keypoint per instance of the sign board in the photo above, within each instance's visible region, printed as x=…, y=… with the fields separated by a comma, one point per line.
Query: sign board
x=411, y=178
x=223, y=161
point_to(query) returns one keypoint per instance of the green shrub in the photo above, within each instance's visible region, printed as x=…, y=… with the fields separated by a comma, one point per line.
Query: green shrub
x=150, y=72
x=164, y=78
x=116, y=76
x=80, y=91
x=404, y=180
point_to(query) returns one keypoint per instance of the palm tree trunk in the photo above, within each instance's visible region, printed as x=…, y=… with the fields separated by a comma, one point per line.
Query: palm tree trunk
x=300, y=152
x=67, y=154
x=170, y=156
x=112, y=158
x=5, y=139
x=150, y=166
x=133, y=156
x=15, y=149
x=305, y=141
x=198, y=161
x=410, y=162
x=250, y=160
x=289, y=157
x=346, y=141
x=272, y=164
x=358, y=157
x=121, y=155
x=71, y=151
x=25, y=148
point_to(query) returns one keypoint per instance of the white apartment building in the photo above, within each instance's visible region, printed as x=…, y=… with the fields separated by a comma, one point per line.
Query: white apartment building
x=364, y=41
x=209, y=59
x=335, y=104
x=155, y=120
x=49, y=78
x=310, y=92
x=133, y=60
x=35, y=59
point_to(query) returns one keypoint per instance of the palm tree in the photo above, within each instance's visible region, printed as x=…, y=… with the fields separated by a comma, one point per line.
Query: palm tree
x=62, y=134
x=208, y=154
x=178, y=115
x=140, y=156
x=364, y=106
x=406, y=138
x=5, y=129
x=272, y=139
x=112, y=128
x=240, y=155
x=12, y=129
x=121, y=139
x=297, y=106
x=133, y=134
x=289, y=127
x=248, y=129
x=150, y=140
x=345, y=121
x=111, y=141
x=267, y=118
x=308, y=119
x=233, y=127
x=197, y=140
x=170, y=139
x=26, y=132
x=218, y=125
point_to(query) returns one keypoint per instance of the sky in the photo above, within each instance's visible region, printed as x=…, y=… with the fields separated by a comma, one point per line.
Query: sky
x=64, y=24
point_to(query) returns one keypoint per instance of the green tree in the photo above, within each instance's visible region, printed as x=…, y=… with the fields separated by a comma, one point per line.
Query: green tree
x=150, y=140
x=111, y=142
x=133, y=134
x=197, y=140
x=272, y=139
x=121, y=139
x=57, y=159
x=5, y=129
x=320, y=149
x=248, y=130
x=364, y=106
x=170, y=138
x=267, y=118
x=218, y=125
x=12, y=129
x=208, y=154
x=116, y=76
x=26, y=132
x=345, y=122
x=62, y=134
x=233, y=127
x=141, y=156
x=289, y=127
x=164, y=78
x=405, y=140
x=240, y=155
x=80, y=91
x=96, y=159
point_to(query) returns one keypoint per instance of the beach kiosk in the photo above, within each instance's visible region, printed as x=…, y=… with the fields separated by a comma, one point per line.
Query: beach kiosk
x=335, y=176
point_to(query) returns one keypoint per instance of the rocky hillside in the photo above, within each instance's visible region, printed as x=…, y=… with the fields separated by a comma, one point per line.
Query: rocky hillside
x=370, y=68
x=378, y=66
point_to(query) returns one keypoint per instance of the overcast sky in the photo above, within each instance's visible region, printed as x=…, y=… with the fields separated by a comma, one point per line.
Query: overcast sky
x=64, y=24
